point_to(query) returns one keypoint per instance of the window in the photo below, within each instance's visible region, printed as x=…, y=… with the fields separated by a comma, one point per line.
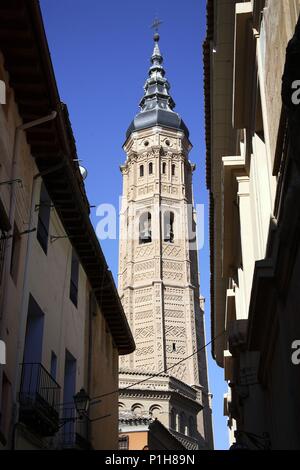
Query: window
x=141, y=170
x=164, y=167
x=32, y=381
x=191, y=426
x=15, y=254
x=74, y=278
x=177, y=422
x=123, y=442
x=173, y=170
x=53, y=366
x=154, y=411
x=69, y=390
x=43, y=218
x=137, y=409
x=173, y=419
x=150, y=168
x=145, y=234
x=33, y=347
x=174, y=347
x=183, y=427
x=169, y=227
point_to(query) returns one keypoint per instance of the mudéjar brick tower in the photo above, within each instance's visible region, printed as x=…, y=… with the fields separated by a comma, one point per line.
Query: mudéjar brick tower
x=158, y=273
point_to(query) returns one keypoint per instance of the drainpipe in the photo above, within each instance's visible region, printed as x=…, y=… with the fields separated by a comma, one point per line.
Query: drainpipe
x=8, y=250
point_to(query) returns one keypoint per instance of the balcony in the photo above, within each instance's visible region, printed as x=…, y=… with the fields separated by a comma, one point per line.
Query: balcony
x=39, y=400
x=74, y=430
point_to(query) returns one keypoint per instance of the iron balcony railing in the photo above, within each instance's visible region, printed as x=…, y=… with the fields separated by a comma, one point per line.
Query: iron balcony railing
x=39, y=399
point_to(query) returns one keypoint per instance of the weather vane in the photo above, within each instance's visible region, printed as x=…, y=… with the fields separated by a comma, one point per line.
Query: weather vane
x=156, y=24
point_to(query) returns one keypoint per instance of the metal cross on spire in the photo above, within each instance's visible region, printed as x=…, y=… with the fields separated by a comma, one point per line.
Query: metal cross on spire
x=156, y=24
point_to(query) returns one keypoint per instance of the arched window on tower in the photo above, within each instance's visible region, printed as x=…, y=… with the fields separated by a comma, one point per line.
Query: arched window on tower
x=137, y=409
x=154, y=411
x=183, y=427
x=164, y=168
x=191, y=426
x=173, y=169
x=150, y=168
x=177, y=422
x=141, y=170
x=173, y=419
x=145, y=234
x=169, y=227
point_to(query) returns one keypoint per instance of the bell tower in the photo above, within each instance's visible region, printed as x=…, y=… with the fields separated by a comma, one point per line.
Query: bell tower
x=158, y=272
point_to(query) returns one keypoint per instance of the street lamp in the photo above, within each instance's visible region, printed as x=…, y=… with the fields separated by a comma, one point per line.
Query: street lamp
x=82, y=402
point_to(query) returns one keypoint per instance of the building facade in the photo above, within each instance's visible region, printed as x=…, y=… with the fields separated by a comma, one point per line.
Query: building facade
x=158, y=271
x=251, y=62
x=145, y=434
x=61, y=318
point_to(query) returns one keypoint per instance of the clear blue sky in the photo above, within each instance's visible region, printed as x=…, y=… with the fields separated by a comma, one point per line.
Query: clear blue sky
x=100, y=52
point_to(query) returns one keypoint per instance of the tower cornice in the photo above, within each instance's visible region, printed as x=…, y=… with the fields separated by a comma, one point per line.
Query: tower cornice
x=133, y=139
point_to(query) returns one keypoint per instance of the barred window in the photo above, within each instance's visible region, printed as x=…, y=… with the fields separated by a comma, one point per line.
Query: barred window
x=123, y=442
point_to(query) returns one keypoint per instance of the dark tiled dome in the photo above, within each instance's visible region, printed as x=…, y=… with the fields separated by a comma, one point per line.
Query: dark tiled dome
x=157, y=105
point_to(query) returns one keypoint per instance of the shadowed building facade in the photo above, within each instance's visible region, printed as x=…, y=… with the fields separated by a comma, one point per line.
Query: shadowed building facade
x=251, y=59
x=158, y=271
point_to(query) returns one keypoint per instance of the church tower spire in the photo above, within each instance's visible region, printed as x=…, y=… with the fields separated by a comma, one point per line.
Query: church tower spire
x=158, y=272
x=157, y=86
x=157, y=105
